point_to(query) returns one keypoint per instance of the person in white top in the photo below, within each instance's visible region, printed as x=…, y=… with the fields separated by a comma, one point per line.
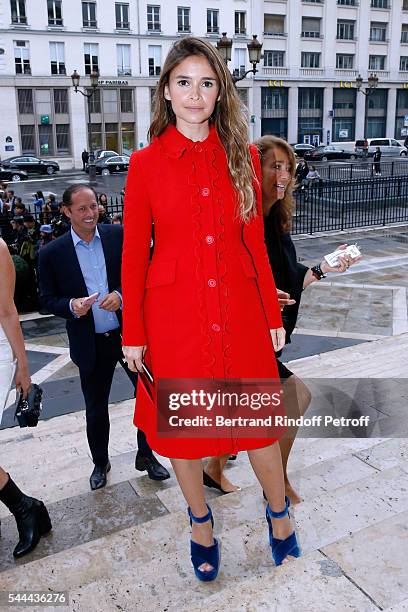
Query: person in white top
x=31, y=514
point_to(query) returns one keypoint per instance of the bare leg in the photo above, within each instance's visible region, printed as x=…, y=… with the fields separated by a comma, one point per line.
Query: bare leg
x=267, y=465
x=189, y=473
x=214, y=468
x=296, y=397
x=3, y=478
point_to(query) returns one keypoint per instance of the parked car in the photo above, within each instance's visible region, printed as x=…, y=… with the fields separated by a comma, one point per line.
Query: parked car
x=9, y=174
x=110, y=165
x=329, y=153
x=301, y=148
x=31, y=165
x=388, y=146
x=102, y=153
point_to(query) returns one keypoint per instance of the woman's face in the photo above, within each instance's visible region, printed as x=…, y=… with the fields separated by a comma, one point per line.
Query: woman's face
x=276, y=174
x=193, y=91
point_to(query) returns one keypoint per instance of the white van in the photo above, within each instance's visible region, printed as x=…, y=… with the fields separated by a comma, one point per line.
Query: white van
x=388, y=146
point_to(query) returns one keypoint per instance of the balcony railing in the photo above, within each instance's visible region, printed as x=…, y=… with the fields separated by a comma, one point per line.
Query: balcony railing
x=311, y=34
x=346, y=72
x=274, y=71
x=280, y=34
x=313, y=72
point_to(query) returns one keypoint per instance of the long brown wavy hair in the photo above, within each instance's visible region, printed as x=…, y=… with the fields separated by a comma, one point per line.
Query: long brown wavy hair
x=228, y=117
x=282, y=209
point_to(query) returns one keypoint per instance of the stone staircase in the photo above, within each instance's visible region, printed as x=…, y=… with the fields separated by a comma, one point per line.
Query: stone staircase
x=126, y=547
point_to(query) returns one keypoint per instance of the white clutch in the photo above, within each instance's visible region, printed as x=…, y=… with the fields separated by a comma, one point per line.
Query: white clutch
x=7, y=371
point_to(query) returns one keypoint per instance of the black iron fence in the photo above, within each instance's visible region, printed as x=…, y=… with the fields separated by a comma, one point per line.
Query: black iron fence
x=355, y=171
x=347, y=204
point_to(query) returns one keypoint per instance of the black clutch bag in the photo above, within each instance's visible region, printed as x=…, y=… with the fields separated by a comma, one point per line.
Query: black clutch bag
x=28, y=409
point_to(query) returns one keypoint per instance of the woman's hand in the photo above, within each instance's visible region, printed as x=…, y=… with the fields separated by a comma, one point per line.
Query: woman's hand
x=278, y=338
x=134, y=357
x=284, y=299
x=23, y=380
x=345, y=262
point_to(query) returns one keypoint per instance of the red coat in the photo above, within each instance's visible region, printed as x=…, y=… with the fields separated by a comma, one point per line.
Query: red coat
x=206, y=302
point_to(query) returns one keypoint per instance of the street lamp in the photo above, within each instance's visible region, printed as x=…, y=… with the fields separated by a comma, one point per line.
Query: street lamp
x=372, y=84
x=224, y=46
x=94, y=76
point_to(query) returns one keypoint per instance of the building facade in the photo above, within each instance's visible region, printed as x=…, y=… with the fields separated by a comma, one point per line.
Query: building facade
x=304, y=89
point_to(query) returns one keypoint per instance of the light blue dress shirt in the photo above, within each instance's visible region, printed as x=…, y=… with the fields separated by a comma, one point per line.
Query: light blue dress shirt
x=92, y=263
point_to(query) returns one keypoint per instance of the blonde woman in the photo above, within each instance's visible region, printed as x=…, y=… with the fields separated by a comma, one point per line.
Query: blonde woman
x=30, y=514
x=206, y=307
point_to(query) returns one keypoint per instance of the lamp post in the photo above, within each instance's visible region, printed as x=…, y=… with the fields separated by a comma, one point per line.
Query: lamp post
x=372, y=84
x=94, y=76
x=224, y=46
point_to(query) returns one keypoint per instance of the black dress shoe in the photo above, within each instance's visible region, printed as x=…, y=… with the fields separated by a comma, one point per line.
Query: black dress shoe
x=155, y=470
x=98, y=476
x=213, y=484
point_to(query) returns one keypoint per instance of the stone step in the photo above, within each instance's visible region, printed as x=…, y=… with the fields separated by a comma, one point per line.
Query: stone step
x=149, y=563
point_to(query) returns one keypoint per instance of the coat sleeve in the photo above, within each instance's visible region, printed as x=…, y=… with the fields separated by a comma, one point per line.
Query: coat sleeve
x=259, y=253
x=49, y=291
x=135, y=258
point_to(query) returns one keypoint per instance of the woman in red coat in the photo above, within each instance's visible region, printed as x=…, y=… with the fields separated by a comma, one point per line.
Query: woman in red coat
x=206, y=306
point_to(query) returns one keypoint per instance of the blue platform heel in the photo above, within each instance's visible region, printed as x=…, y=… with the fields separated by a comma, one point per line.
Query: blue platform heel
x=281, y=548
x=205, y=554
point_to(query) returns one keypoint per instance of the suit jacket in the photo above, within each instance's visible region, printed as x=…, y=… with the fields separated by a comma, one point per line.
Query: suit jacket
x=60, y=279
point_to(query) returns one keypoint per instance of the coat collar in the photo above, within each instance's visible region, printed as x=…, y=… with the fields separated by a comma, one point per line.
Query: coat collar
x=174, y=143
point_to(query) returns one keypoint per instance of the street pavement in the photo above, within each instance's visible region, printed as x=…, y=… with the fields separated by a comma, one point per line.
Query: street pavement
x=126, y=547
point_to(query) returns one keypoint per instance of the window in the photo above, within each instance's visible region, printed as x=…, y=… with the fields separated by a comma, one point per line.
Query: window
x=212, y=21
x=240, y=61
x=62, y=137
x=27, y=139
x=46, y=140
x=25, y=101
x=43, y=102
x=96, y=136
x=128, y=138
x=183, y=19
x=57, y=54
x=111, y=136
x=310, y=59
x=122, y=16
x=61, y=101
x=344, y=61
x=154, y=53
x=378, y=31
x=89, y=14
x=240, y=22
x=274, y=24
x=376, y=62
x=310, y=27
x=110, y=102
x=274, y=58
x=274, y=98
x=95, y=100
x=22, y=57
x=126, y=101
x=404, y=63
x=344, y=98
x=18, y=12
x=91, y=57
x=310, y=98
x=347, y=2
x=380, y=4
x=123, y=60
x=345, y=29
x=54, y=12
x=405, y=5
x=153, y=18
x=404, y=33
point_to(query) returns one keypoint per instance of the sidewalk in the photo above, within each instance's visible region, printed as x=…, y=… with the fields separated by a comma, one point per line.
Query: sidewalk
x=126, y=547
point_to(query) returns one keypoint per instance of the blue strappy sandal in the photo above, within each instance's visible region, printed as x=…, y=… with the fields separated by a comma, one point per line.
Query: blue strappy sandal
x=205, y=554
x=281, y=548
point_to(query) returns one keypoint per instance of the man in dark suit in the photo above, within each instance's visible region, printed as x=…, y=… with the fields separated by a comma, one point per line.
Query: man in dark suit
x=86, y=261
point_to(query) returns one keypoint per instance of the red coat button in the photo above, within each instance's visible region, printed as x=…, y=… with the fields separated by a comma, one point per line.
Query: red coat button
x=215, y=327
x=205, y=192
x=209, y=239
x=212, y=282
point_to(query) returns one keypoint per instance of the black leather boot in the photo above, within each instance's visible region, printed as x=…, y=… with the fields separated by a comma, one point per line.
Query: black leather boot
x=31, y=517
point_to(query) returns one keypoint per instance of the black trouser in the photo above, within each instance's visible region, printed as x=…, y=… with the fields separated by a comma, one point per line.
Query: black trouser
x=96, y=385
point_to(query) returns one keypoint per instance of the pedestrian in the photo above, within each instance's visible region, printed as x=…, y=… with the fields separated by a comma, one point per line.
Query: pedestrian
x=302, y=170
x=30, y=514
x=39, y=201
x=84, y=262
x=185, y=314
x=85, y=159
x=10, y=199
x=406, y=141
x=377, y=160
x=365, y=148
x=117, y=219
